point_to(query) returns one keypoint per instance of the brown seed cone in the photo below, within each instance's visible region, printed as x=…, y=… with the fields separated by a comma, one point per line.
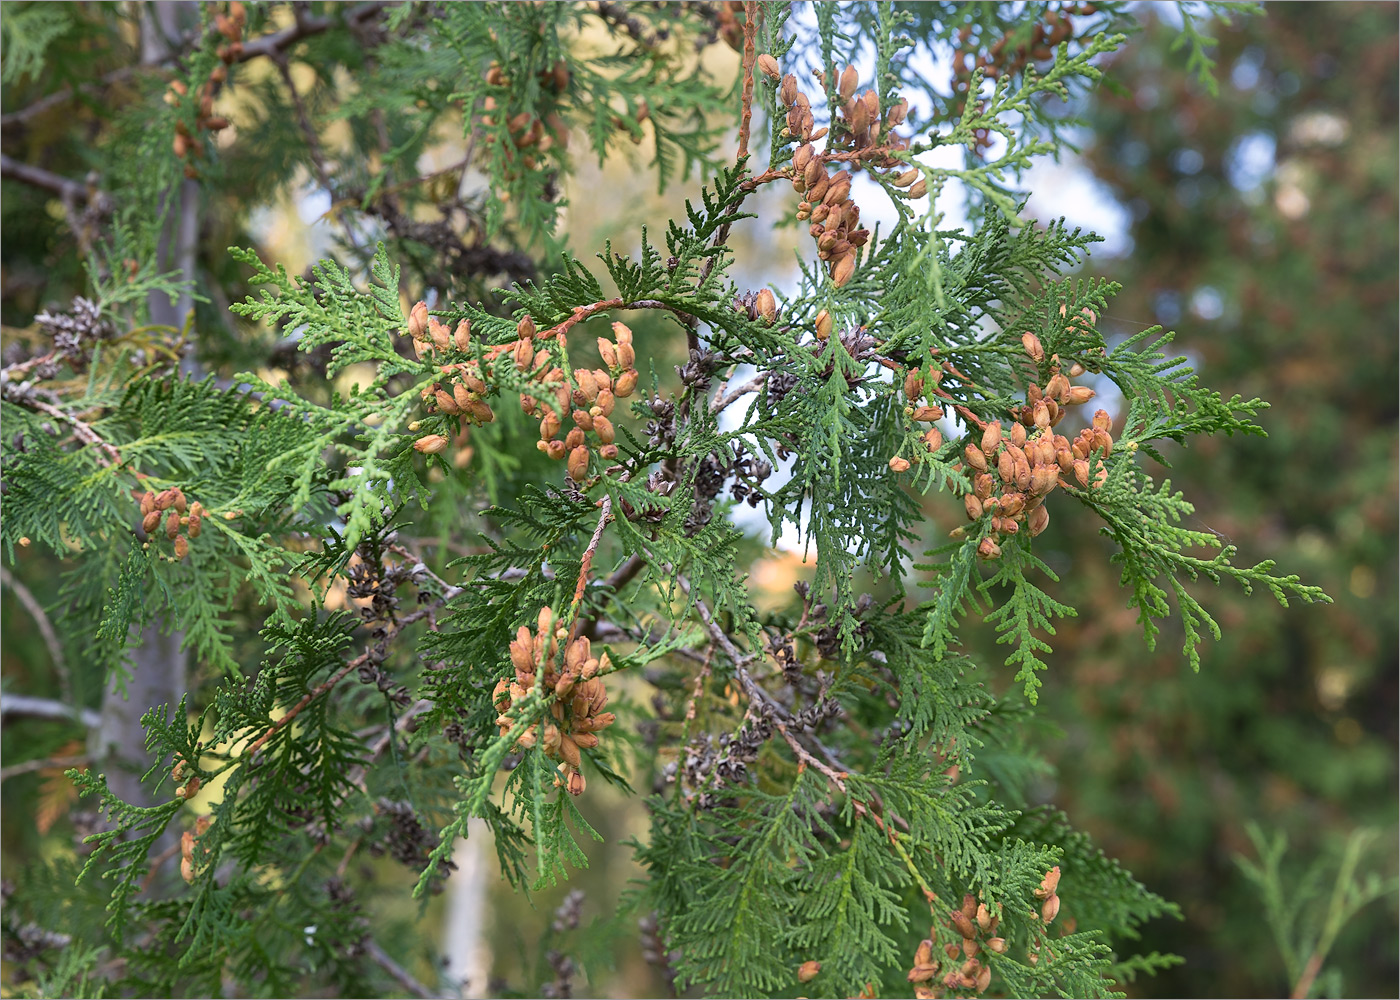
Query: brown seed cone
x=430, y=444
x=480, y=412
x=997, y=945
x=898, y=464
x=991, y=438
x=462, y=395
x=182, y=547
x=462, y=336
x=1006, y=466
x=923, y=955
x=952, y=950
x=1049, y=909
x=574, y=438
x=766, y=305
x=846, y=85
x=587, y=384
x=1078, y=394
x=196, y=524
x=626, y=356
x=989, y=549
x=973, y=505
x=1048, y=884
x=914, y=384
x=525, y=329
x=919, y=190
x=148, y=502
x=626, y=383
x=584, y=419
x=823, y=325
x=1057, y=388
x=549, y=425
x=960, y=920
x=586, y=741
x=607, y=351
x=1011, y=504
x=555, y=450
x=982, y=485
x=1044, y=479
x=933, y=437
x=975, y=458
x=1038, y=520
x=603, y=427
x=1018, y=434
x=769, y=66
x=842, y=271
x=984, y=917
x=1102, y=421
x=172, y=525
x=439, y=334
x=983, y=979
x=1032, y=346
x=970, y=947
x=788, y=91
x=578, y=464
x=151, y=522
x=446, y=402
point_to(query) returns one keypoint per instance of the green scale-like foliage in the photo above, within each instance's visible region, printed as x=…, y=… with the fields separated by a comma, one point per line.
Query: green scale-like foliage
x=831, y=779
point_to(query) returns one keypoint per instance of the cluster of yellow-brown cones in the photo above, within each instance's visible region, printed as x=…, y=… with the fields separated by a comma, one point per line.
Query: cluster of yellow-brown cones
x=577, y=709
x=182, y=519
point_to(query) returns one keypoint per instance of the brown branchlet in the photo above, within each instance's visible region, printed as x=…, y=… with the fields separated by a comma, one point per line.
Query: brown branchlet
x=576, y=715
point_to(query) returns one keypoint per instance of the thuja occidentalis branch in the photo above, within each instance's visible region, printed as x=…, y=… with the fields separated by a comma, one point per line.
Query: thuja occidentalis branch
x=586, y=564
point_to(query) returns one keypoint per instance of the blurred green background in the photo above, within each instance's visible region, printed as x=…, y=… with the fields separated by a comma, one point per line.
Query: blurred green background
x=1261, y=224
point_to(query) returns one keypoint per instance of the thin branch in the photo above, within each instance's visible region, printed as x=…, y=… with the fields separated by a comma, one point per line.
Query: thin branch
x=36, y=611
x=396, y=971
x=805, y=758
x=46, y=708
x=727, y=395
x=308, y=131
x=42, y=764
x=81, y=430
x=66, y=188
x=746, y=118
x=587, y=563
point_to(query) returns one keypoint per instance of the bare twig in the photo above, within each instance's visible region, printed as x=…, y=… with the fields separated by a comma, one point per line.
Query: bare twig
x=727, y=395
x=46, y=708
x=587, y=563
x=308, y=131
x=396, y=971
x=64, y=187
x=746, y=118
x=81, y=430
x=42, y=764
x=805, y=758
x=41, y=619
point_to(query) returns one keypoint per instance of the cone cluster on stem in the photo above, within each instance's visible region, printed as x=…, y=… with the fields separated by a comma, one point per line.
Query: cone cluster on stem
x=576, y=715
x=182, y=520
x=958, y=969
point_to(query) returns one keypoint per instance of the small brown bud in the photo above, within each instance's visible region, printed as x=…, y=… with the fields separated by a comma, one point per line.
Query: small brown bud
x=997, y=945
x=970, y=947
x=933, y=437
x=148, y=502
x=914, y=384
x=961, y=923
x=575, y=783
x=983, y=979
x=587, y=384
x=991, y=438
x=1078, y=394
x=626, y=356
x=1006, y=466
x=973, y=506
x=808, y=970
x=578, y=464
x=151, y=522
x=1033, y=346
x=1044, y=478
x=1102, y=421
x=845, y=267
x=603, y=427
x=1011, y=504
x=440, y=335
x=446, y=402
x=1048, y=884
x=899, y=464
x=172, y=525
x=1050, y=908
x=918, y=190
x=989, y=549
x=525, y=329
x=1038, y=520
x=626, y=382
x=430, y=444
x=924, y=414
x=923, y=955
x=1018, y=434
x=584, y=419
x=766, y=305
x=605, y=402
x=823, y=325
x=1076, y=370
x=1057, y=388
x=788, y=91
x=801, y=156
x=982, y=485
x=549, y=425
x=908, y=177
x=769, y=66
x=182, y=547
x=479, y=412
x=975, y=458
x=984, y=917
x=846, y=86
x=1041, y=414
x=607, y=352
